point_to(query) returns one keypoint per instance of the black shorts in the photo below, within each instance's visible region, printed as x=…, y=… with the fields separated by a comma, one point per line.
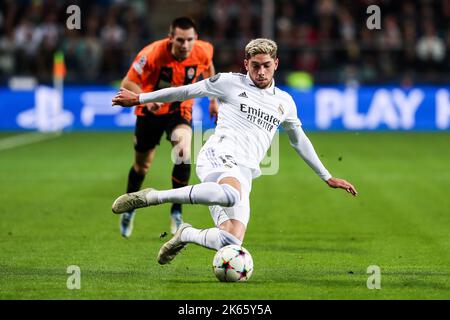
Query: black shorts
x=150, y=128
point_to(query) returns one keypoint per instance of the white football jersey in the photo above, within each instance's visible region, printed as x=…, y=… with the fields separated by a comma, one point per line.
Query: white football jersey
x=248, y=117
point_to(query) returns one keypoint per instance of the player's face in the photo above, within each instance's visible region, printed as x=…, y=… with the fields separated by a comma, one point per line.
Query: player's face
x=261, y=68
x=182, y=42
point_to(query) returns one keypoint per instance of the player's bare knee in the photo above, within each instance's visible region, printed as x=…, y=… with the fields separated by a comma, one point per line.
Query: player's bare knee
x=234, y=184
x=143, y=161
x=142, y=168
x=227, y=238
x=235, y=228
x=181, y=153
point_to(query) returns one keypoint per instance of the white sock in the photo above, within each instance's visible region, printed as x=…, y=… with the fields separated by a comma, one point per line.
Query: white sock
x=208, y=193
x=212, y=238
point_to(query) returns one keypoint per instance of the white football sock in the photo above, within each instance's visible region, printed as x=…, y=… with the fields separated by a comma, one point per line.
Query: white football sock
x=208, y=193
x=212, y=238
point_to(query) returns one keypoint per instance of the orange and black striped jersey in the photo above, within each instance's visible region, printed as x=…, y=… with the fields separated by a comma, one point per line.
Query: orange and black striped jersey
x=155, y=68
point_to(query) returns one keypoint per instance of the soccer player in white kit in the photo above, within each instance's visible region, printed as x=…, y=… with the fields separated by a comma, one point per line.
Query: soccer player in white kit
x=251, y=109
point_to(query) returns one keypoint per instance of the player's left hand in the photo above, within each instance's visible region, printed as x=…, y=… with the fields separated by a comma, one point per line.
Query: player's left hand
x=125, y=98
x=343, y=184
x=153, y=107
x=213, y=109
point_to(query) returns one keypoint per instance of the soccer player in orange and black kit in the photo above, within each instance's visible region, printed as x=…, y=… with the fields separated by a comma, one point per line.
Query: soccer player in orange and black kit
x=177, y=60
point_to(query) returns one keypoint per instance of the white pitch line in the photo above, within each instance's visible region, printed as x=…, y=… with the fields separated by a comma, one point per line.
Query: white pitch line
x=26, y=138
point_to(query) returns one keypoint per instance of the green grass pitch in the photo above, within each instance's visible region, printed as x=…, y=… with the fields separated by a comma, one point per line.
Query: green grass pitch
x=308, y=241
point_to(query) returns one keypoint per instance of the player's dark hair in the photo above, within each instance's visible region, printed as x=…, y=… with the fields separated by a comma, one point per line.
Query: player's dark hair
x=183, y=23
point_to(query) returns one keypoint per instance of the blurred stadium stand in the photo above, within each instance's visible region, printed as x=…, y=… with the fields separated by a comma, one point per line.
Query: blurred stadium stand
x=341, y=74
x=326, y=38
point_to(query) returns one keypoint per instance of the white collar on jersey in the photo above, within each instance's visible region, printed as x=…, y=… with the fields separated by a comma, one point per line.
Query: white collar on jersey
x=270, y=89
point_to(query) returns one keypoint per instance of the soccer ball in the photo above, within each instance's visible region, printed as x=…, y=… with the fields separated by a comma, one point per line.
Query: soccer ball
x=233, y=263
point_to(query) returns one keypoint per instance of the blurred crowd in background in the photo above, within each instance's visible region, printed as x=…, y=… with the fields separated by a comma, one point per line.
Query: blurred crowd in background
x=327, y=39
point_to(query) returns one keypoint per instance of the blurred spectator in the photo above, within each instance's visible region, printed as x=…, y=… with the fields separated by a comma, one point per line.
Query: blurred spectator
x=430, y=48
x=326, y=8
x=350, y=76
x=390, y=38
x=112, y=38
x=284, y=23
x=93, y=49
x=347, y=27
x=27, y=39
x=306, y=61
x=7, y=61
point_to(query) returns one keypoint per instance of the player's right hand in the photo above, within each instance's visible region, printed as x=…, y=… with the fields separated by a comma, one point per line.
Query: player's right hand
x=213, y=110
x=125, y=98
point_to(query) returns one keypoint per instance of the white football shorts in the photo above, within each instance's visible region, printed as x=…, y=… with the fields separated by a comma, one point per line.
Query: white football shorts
x=214, y=164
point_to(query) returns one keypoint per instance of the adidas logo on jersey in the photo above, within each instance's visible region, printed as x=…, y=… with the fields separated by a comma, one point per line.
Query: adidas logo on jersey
x=243, y=94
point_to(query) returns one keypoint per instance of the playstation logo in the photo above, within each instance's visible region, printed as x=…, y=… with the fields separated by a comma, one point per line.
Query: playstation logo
x=48, y=114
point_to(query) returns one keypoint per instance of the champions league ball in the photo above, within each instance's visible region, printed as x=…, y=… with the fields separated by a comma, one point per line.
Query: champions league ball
x=233, y=263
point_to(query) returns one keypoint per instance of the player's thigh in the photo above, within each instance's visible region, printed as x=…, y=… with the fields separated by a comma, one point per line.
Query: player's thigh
x=215, y=164
x=148, y=132
x=179, y=133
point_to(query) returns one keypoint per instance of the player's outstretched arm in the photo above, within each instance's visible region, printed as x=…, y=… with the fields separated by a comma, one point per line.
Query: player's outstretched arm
x=199, y=89
x=343, y=184
x=305, y=149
